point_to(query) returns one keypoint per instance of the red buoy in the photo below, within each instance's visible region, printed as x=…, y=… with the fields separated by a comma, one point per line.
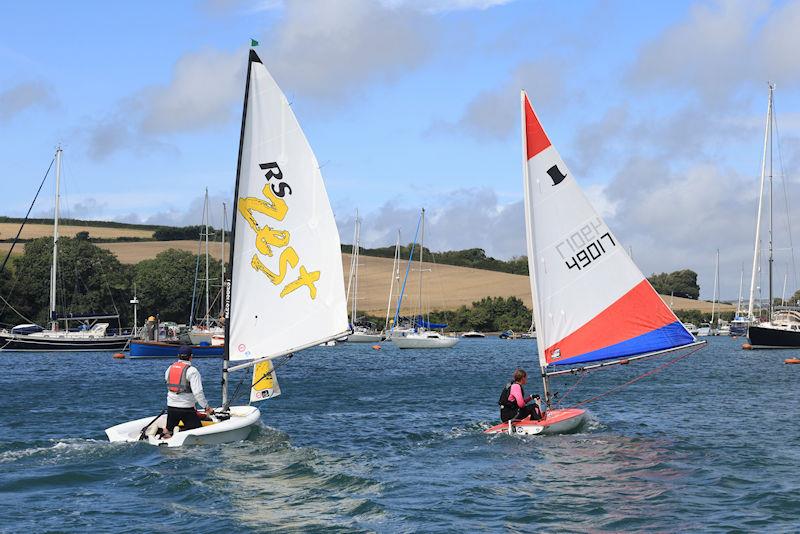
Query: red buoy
x=747, y=346
x=119, y=356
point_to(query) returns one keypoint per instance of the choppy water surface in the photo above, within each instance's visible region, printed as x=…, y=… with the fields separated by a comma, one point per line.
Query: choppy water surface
x=391, y=441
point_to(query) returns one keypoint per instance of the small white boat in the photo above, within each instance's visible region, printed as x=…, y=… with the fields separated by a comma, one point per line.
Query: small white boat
x=473, y=333
x=424, y=340
x=268, y=316
x=364, y=337
x=235, y=428
x=691, y=328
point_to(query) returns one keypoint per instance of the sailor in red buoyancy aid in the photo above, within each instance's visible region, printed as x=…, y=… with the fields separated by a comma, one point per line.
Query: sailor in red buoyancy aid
x=184, y=391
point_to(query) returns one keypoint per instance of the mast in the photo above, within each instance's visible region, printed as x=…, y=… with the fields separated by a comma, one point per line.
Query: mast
x=395, y=273
x=770, y=119
x=205, y=216
x=540, y=324
x=355, y=268
x=714, y=299
x=739, y=302
x=421, y=248
x=229, y=282
x=222, y=258
x=760, y=204
x=54, y=268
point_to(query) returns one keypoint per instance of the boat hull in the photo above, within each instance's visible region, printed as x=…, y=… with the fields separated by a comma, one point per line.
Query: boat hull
x=155, y=349
x=360, y=337
x=34, y=343
x=557, y=422
x=237, y=428
x=773, y=338
x=409, y=342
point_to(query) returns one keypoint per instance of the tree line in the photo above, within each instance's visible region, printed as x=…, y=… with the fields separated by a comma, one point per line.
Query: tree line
x=92, y=280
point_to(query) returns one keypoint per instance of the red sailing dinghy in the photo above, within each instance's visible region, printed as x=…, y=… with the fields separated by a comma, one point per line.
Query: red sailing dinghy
x=592, y=305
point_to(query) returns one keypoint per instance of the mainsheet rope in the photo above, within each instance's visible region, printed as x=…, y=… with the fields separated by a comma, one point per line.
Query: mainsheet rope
x=636, y=379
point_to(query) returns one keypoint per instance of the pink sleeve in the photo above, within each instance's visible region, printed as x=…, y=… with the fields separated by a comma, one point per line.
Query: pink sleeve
x=516, y=394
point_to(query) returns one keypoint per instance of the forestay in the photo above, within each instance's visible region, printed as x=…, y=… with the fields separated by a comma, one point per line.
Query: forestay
x=591, y=302
x=286, y=282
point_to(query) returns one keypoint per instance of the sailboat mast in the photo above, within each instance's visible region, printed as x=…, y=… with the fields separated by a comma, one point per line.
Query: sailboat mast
x=54, y=268
x=739, y=302
x=770, y=118
x=714, y=299
x=205, y=217
x=222, y=258
x=760, y=204
x=229, y=282
x=355, y=266
x=395, y=273
x=421, y=248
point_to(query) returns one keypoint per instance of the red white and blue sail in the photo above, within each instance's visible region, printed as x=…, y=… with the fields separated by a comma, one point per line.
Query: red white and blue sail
x=591, y=302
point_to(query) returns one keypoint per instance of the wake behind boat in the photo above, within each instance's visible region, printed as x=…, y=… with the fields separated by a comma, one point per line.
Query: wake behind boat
x=592, y=306
x=285, y=290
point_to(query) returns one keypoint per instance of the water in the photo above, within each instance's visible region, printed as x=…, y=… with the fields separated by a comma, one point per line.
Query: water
x=391, y=441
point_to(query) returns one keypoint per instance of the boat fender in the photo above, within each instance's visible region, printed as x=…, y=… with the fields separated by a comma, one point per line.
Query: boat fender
x=119, y=356
x=747, y=346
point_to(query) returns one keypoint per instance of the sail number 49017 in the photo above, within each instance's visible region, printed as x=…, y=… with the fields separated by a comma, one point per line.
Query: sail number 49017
x=274, y=206
x=590, y=252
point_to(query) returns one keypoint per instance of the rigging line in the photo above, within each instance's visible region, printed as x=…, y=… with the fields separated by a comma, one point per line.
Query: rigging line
x=565, y=395
x=636, y=379
x=8, y=304
x=785, y=195
x=16, y=238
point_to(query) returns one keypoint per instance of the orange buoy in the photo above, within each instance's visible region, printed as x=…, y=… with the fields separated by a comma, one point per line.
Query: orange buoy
x=376, y=347
x=119, y=356
x=791, y=360
x=747, y=346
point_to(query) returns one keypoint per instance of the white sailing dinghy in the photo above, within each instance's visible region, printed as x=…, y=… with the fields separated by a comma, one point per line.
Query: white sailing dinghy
x=592, y=306
x=285, y=290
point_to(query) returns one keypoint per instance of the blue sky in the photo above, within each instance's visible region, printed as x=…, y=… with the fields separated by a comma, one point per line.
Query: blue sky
x=657, y=107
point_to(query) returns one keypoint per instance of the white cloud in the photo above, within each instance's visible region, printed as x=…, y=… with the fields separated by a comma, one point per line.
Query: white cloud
x=202, y=93
x=25, y=95
x=330, y=50
x=494, y=114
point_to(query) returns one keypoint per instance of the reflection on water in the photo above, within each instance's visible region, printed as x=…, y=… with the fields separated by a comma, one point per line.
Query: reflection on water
x=273, y=485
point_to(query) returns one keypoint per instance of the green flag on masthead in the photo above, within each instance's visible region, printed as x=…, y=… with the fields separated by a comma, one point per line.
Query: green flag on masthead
x=253, y=42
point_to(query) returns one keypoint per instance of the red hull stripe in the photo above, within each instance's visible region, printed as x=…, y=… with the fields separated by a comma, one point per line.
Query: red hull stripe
x=534, y=134
x=637, y=312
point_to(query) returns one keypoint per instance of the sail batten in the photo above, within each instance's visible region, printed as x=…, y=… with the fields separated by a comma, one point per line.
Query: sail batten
x=286, y=290
x=591, y=302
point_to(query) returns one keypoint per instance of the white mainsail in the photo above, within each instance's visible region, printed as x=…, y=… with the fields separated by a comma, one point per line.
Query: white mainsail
x=286, y=287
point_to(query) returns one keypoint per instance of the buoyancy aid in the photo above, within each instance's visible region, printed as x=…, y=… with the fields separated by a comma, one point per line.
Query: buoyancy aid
x=508, y=407
x=177, y=381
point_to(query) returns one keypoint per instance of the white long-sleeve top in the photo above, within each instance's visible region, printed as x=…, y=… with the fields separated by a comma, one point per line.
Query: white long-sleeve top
x=190, y=398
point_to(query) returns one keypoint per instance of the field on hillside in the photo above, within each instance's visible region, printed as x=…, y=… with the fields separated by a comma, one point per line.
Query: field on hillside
x=32, y=231
x=445, y=287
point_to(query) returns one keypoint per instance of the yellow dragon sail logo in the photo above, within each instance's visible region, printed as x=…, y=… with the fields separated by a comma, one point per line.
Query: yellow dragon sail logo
x=274, y=206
